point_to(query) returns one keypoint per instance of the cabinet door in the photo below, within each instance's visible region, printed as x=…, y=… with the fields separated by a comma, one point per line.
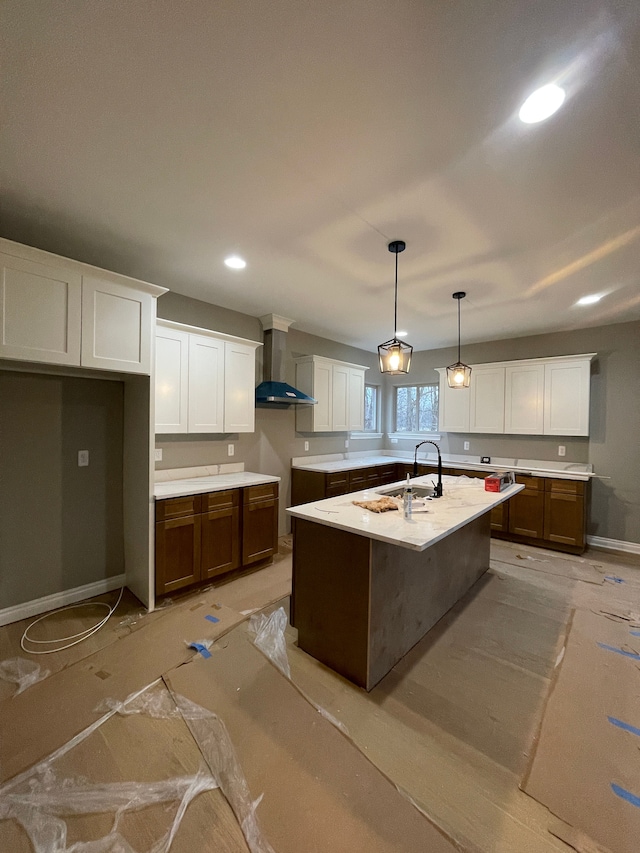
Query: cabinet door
x=172, y=381
x=566, y=398
x=177, y=553
x=239, y=387
x=454, y=407
x=40, y=312
x=340, y=398
x=117, y=324
x=524, y=399
x=526, y=509
x=564, y=513
x=259, y=523
x=356, y=399
x=206, y=384
x=500, y=517
x=487, y=400
x=220, y=533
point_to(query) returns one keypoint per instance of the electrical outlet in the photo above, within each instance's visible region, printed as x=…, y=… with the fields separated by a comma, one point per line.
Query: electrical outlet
x=346, y=442
x=466, y=445
x=306, y=445
x=230, y=449
x=393, y=440
x=562, y=450
x=157, y=454
x=485, y=460
x=83, y=458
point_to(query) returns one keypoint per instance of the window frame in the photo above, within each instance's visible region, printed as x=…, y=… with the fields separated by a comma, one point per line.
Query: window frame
x=414, y=432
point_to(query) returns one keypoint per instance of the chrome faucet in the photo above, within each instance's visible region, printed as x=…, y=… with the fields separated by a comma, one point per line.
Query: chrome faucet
x=437, y=493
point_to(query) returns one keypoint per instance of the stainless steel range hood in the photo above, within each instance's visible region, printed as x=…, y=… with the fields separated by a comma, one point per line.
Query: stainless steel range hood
x=273, y=392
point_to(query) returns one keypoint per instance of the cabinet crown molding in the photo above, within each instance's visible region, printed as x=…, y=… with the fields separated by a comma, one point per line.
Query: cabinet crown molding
x=522, y=362
x=196, y=330
x=312, y=359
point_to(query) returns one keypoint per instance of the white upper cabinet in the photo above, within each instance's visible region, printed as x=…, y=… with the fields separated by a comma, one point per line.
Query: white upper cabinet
x=524, y=399
x=205, y=381
x=40, y=311
x=172, y=380
x=566, y=397
x=58, y=311
x=487, y=399
x=540, y=396
x=339, y=389
x=117, y=324
x=454, y=406
x=206, y=384
x=239, y=388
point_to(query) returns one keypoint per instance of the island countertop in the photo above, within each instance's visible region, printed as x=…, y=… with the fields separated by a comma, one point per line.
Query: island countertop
x=463, y=500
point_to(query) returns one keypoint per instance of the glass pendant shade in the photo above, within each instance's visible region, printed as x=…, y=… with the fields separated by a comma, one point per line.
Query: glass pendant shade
x=395, y=355
x=459, y=374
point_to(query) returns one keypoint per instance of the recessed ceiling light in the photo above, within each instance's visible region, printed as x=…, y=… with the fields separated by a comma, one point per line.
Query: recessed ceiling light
x=401, y=334
x=589, y=300
x=542, y=103
x=235, y=263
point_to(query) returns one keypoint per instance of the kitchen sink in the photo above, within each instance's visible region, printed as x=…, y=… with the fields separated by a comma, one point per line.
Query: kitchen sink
x=416, y=491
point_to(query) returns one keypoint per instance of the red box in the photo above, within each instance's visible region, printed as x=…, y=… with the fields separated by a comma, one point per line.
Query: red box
x=498, y=482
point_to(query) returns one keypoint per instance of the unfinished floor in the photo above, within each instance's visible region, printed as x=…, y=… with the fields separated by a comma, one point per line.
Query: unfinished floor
x=431, y=759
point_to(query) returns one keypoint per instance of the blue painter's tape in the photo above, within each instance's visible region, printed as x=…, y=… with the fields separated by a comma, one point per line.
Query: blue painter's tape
x=622, y=725
x=204, y=651
x=635, y=633
x=619, y=651
x=211, y=618
x=626, y=795
x=614, y=579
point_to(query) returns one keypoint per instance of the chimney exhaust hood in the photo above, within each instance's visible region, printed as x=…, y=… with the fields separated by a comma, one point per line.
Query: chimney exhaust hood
x=274, y=392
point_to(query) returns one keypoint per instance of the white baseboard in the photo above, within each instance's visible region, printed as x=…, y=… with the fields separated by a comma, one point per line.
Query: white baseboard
x=59, y=599
x=614, y=544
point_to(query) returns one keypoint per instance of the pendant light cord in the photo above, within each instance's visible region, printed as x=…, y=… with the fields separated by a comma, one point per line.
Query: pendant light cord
x=458, y=301
x=395, y=303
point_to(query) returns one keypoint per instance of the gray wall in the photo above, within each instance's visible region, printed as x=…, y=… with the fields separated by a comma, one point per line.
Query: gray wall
x=61, y=526
x=612, y=446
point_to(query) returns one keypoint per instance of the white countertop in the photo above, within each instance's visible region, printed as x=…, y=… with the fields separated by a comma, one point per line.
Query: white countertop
x=213, y=483
x=463, y=500
x=559, y=470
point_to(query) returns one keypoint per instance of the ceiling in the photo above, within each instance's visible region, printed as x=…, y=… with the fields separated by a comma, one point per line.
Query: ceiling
x=155, y=139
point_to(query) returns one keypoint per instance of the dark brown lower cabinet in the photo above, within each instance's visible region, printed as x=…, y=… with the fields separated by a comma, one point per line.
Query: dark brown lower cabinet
x=259, y=522
x=220, y=533
x=201, y=536
x=565, y=513
x=526, y=509
x=500, y=517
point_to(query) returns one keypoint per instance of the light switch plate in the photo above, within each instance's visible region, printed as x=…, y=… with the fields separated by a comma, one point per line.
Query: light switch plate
x=230, y=449
x=157, y=454
x=306, y=445
x=562, y=450
x=83, y=458
x=466, y=445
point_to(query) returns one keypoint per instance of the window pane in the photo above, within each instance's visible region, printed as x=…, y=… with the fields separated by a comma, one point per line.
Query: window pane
x=428, y=406
x=371, y=408
x=406, y=408
x=417, y=408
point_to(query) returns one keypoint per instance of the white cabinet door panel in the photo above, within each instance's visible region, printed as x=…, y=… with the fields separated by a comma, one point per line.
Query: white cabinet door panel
x=239, y=388
x=323, y=393
x=524, y=400
x=487, y=400
x=117, y=323
x=40, y=312
x=566, y=398
x=340, y=394
x=172, y=381
x=206, y=384
x=356, y=399
x=454, y=407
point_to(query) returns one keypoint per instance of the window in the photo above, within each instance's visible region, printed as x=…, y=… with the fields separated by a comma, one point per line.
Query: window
x=371, y=396
x=417, y=408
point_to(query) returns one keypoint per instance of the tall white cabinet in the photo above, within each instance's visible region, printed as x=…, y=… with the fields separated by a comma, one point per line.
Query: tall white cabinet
x=205, y=381
x=543, y=396
x=54, y=310
x=338, y=387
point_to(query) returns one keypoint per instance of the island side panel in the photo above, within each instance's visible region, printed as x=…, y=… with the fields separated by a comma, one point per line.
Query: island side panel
x=330, y=597
x=412, y=590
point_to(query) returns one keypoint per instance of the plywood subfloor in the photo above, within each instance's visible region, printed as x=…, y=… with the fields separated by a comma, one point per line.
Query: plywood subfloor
x=452, y=725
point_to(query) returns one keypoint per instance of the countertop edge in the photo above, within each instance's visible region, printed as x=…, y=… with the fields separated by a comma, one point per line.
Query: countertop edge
x=179, y=488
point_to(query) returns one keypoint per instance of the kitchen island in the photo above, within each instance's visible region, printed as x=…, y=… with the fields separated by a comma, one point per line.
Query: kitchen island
x=368, y=586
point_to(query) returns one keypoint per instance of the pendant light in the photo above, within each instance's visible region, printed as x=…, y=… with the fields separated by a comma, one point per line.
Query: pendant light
x=395, y=355
x=459, y=374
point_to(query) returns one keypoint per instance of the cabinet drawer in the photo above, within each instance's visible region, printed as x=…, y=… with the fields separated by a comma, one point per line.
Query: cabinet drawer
x=250, y=494
x=338, y=478
x=570, y=487
x=358, y=478
x=387, y=473
x=535, y=483
x=220, y=500
x=177, y=507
